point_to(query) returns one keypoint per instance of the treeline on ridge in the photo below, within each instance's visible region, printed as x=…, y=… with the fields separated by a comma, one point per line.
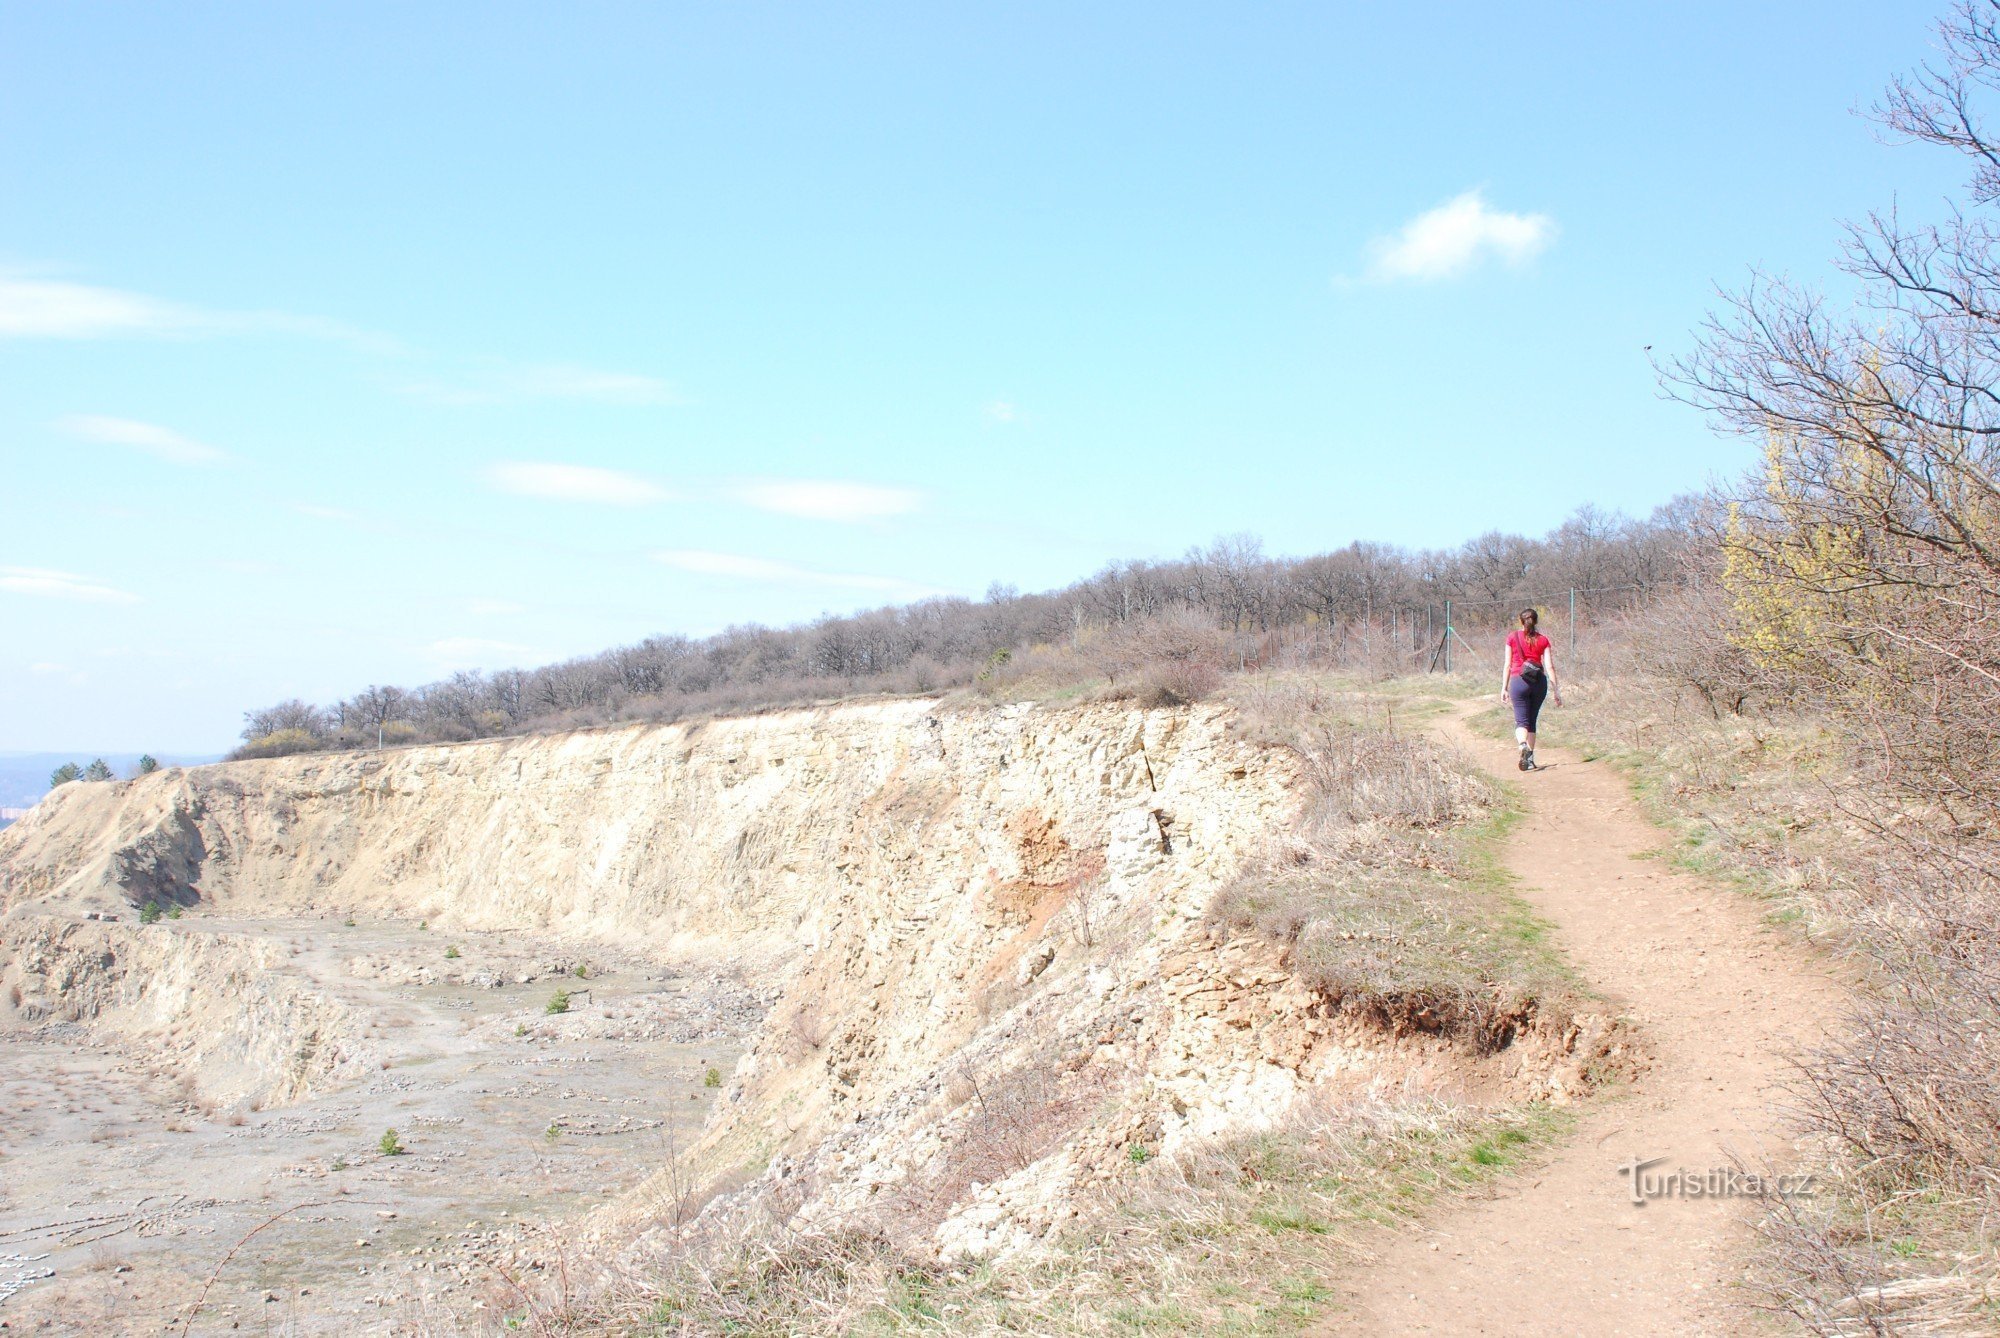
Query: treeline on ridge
x=1161, y=630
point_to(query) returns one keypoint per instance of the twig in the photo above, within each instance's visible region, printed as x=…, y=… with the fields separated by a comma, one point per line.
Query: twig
x=202, y=1299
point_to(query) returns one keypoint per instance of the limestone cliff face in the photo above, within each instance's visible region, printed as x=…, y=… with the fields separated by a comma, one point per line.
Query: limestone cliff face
x=893, y=858
x=749, y=836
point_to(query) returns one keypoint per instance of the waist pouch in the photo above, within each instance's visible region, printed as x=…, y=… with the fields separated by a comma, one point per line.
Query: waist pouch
x=1531, y=672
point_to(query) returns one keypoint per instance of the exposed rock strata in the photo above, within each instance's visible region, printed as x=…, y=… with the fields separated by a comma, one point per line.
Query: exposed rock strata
x=984, y=928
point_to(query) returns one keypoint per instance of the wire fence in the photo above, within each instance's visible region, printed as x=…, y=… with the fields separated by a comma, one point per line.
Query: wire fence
x=1578, y=611
x=1459, y=635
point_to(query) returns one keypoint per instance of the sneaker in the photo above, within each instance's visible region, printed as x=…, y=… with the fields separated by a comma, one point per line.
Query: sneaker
x=1527, y=758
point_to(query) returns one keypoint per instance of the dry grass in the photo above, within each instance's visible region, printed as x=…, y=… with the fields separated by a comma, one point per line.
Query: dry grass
x=1387, y=892
x=1247, y=1237
x=1172, y=659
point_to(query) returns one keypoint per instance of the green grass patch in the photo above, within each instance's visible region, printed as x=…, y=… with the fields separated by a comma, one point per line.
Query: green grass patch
x=1288, y=1218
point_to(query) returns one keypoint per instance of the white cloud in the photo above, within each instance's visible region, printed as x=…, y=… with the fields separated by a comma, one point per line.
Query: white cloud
x=559, y=381
x=466, y=652
x=576, y=483
x=154, y=440
x=827, y=500
x=703, y=562
x=310, y=327
x=62, y=585
x=40, y=308
x=53, y=309
x=1457, y=235
x=1000, y=411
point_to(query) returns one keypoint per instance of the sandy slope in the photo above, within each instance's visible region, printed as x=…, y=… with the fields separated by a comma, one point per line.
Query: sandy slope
x=1721, y=998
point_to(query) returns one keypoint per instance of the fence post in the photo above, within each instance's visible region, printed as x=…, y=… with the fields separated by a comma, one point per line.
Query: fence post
x=1572, y=621
x=1447, y=636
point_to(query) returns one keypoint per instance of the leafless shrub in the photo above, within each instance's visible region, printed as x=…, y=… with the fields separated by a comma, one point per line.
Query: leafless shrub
x=1179, y=682
x=1358, y=765
x=673, y=1188
x=1911, y=1091
x=1180, y=657
x=1862, y=568
x=1018, y=1116
x=1085, y=913
x=811, y=1027
x=1688, y=640
x=104, y=1257
x=777, y=1286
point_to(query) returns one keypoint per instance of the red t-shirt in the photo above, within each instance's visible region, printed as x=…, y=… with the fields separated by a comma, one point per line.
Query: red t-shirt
x=1524, y=649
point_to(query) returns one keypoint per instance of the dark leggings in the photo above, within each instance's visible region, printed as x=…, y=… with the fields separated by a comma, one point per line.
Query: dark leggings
x=1527, y=695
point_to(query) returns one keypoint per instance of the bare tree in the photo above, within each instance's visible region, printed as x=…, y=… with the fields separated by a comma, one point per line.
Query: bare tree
x=1862, y=570
x=373, y=708
x=1869, y=561
x=286, y=715
x=1128, y=618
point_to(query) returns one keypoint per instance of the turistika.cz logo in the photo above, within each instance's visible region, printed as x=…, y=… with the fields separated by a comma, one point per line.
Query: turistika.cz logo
x=1717, y=1182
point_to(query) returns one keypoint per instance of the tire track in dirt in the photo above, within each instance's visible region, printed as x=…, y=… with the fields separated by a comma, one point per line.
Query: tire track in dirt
x=1720, y=998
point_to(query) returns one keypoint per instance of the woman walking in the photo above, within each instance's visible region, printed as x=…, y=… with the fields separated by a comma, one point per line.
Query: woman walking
x=1531, y=676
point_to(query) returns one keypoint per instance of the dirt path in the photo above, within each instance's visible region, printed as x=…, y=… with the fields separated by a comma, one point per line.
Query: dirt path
x=1720, y=998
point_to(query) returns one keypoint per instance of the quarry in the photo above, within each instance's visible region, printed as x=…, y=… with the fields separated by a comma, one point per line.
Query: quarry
x=1261, y=672
x=387, y=1041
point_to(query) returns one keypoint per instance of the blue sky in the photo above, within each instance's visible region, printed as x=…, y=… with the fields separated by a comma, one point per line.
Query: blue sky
x=351, y=344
